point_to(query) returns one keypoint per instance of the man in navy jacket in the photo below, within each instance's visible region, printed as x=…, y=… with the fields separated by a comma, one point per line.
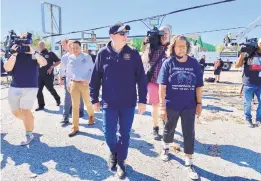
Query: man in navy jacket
x=118, y=69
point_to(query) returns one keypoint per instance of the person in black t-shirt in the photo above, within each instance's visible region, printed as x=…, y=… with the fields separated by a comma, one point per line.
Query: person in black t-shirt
x=92, y=55
x=46, y=77
x=251, y=82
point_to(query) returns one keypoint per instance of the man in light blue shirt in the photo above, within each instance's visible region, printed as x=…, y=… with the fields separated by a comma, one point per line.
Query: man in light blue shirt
x=67, y=46
x=78, y=75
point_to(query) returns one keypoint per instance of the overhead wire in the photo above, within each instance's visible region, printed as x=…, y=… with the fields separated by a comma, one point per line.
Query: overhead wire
x=143, y=19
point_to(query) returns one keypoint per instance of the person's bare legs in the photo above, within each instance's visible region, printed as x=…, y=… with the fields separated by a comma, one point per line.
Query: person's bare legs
x=155, y=114
x=28, y=120
x=155, y=117
x=18, y=114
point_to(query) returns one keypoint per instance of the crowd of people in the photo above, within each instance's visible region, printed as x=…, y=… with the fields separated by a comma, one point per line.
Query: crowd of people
x=171, y=82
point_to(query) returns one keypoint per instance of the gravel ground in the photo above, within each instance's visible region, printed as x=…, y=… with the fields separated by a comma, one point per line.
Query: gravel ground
x=225, y=148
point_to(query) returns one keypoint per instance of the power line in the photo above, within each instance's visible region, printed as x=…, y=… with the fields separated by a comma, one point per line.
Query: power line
x=216, y=30
x=143, y=19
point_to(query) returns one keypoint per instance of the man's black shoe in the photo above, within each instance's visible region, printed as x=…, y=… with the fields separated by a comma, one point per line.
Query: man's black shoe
x=65, y=120
x=112, y=161
x=58, y=102
x=39, y=108
x=121, y=170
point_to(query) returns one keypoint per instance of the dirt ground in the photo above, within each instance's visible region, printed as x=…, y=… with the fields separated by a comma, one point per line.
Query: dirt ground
x=222, y=100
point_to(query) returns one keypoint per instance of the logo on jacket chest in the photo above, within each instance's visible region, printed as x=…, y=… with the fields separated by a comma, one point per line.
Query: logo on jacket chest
x=126, y=56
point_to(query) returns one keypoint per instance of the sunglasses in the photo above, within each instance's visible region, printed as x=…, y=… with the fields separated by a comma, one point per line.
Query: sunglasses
x=122, y=33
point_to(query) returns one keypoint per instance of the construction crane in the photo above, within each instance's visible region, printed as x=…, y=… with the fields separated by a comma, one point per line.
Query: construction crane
x=232, y=41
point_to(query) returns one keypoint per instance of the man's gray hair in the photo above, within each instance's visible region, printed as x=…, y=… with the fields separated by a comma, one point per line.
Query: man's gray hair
x=164, y=28
x=41, y=42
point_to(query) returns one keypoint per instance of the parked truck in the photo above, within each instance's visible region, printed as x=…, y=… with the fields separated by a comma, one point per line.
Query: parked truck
x=228, y=57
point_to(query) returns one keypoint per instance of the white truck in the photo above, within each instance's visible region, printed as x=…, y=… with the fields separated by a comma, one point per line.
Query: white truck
x=228, y=57
x=230, y=54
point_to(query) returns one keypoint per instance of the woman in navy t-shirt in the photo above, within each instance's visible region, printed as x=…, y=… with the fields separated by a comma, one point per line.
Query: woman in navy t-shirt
x=180, y=91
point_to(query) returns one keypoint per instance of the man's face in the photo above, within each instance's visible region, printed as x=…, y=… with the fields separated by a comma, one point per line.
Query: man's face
x=165, y=38
x=76, y=48
x=120, y=38
x=180, y=48
x=64, y=45
x=204, y=57
x=41, y=46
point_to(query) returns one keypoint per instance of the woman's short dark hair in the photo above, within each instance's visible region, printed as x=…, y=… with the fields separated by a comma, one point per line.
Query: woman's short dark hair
x=173, y=43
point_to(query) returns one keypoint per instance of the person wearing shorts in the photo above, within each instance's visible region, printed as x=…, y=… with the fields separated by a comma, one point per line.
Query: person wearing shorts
x=151, y=56
x=217, y=69
x=24, y=86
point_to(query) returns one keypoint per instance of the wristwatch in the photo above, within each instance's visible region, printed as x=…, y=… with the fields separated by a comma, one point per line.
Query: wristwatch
x=36, y=52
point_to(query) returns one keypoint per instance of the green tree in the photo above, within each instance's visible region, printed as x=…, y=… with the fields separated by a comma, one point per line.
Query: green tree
x=136, y=43
x=37, y=37
x=220, y=48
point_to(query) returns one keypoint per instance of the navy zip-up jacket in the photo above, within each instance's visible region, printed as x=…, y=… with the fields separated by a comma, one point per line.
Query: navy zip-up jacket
x=118, y=73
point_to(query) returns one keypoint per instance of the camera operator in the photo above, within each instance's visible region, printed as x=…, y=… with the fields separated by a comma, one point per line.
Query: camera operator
x=24, y=86
x=46, y=76
x=251, y=82
x=154, y=58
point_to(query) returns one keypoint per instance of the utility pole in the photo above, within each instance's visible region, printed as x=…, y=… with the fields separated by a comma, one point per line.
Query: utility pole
x=54, y=11
x=52, y=26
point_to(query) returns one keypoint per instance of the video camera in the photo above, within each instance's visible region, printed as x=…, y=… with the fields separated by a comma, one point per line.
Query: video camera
x=249, y=46
x=12, y=39
x=154, y=36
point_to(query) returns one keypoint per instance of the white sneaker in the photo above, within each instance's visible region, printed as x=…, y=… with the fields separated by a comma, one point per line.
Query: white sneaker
x=165, y=155
x=192, y=172
x=27, y=140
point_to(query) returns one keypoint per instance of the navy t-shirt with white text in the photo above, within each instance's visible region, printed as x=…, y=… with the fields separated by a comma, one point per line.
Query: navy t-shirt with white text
x=181, y=79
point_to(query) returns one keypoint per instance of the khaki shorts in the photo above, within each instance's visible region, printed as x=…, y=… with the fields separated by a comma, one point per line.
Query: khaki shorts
x=21, y=98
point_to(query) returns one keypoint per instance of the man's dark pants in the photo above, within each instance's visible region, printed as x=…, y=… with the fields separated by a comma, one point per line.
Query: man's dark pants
x=47, y=81
x=112, y=117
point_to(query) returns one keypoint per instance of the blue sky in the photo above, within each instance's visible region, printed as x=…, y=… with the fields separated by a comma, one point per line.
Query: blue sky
x=25, y=15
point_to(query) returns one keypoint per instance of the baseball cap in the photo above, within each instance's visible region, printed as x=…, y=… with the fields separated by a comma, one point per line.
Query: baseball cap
x=118, y=27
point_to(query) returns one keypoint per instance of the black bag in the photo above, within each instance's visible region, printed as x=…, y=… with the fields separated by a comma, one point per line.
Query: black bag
x=150, y=72
x=210, y=79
